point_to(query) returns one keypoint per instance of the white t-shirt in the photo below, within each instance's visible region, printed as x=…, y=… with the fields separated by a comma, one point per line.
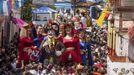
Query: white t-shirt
x=34, y=72
x=83, y=20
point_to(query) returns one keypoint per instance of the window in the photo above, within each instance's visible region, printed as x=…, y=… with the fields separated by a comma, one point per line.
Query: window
x=37, y=18
x=45, y=19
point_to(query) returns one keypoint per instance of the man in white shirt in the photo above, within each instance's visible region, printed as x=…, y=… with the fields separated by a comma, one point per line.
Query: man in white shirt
x=83, y=20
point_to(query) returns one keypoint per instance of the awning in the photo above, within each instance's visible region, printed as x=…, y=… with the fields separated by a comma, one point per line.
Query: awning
x=64, y=5
x=43, y=9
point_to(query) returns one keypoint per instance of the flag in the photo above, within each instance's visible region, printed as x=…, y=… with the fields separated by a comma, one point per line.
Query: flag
x=21, y=3
x=107, y=1
x=5, y=7
x=19, y=22
x=1, y=7
x=9, y=6
x=102, y=17
x=13, y=4
x=16, y=5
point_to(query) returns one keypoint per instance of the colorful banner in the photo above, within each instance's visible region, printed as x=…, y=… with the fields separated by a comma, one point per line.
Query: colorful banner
x=9, y=6
x=21, y=3
x=1, y=7
x=102, y=17
x=19, y=22
x=12, y=3
x=16, y=5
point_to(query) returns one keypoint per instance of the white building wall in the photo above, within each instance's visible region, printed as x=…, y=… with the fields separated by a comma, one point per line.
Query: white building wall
x=114, y=68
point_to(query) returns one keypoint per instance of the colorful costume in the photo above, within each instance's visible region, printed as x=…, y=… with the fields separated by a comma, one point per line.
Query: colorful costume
x=71, y=56
x=23, y=55
x=86, y=53
x=37, y=38
x=48, y=45
x=33, y=53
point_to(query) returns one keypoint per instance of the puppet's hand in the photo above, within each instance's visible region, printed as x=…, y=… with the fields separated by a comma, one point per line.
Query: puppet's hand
x=34, y=46
x=45, y=44
x=58, y=53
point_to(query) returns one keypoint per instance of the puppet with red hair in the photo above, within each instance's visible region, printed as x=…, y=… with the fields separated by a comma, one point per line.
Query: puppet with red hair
x=71, y=54
x=25, y=41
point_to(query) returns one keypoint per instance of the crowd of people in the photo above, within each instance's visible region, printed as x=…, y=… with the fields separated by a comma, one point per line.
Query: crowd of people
x=68, y=45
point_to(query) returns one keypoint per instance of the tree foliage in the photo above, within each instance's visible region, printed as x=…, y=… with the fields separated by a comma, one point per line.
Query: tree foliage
x=26, y=13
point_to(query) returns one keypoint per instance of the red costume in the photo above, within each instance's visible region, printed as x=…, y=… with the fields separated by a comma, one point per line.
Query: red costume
x=75, y=54
x=23, y=54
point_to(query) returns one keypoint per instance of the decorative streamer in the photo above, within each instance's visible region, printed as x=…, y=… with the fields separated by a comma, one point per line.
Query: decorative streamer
x=9, y=7
x=1, y=7
x=19, y=22
x=102, y=17
x=12, y=4
x=16, y=5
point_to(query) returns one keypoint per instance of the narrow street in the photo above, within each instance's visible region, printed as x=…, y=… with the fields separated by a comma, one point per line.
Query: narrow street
x=66, y=37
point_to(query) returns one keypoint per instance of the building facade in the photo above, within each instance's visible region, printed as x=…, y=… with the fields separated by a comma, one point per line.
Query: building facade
x=119, y=46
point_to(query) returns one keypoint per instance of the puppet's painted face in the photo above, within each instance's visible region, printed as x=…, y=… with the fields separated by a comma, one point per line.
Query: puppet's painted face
x=51, y=33
x=81, y=35
x=77, y=25
x=54, y=27
x=68, y=30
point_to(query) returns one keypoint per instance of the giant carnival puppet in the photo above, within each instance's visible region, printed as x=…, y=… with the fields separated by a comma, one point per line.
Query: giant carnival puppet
x=71, y=54
x=85, y=49
x=28, y=50
x=48, y=46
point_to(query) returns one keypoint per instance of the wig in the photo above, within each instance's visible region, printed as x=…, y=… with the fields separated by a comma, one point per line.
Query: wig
x=69, y=26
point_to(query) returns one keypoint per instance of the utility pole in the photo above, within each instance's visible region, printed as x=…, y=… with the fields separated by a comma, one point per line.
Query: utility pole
x=74, y=5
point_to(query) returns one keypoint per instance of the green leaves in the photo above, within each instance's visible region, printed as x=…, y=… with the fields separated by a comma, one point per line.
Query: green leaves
x=26, y=13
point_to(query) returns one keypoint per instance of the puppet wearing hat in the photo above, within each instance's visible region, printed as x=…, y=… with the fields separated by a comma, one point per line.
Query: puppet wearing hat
x=49, y=46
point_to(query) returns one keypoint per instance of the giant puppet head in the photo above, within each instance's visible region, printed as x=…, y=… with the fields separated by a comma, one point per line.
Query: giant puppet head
x=51, y=33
